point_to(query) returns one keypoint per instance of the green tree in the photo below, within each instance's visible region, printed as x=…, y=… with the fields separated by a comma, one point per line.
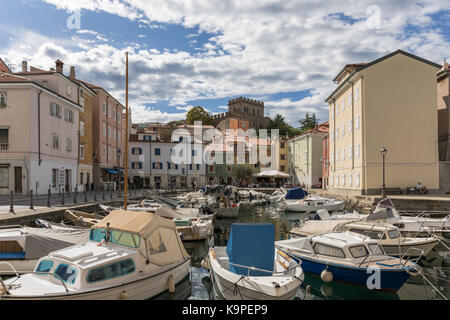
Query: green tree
x=309, y=122
x=198, y=114
x=283, y=128
x=242, y=171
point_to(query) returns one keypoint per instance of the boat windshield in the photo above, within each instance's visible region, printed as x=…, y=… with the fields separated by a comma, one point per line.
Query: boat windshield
x=67, y=273
x=358, y=251
x=376, y=249
x=393, y=234
x=44, y=266
x=122, y=238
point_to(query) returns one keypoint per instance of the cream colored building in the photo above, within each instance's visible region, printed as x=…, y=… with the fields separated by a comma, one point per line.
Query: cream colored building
x=304, y=154
x=391, y=103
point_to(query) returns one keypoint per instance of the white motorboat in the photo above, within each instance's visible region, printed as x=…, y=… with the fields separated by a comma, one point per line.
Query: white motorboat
x=277, y=195
x=21, y=247
x=250, y=268
x=388, y=236
x=386, y=212
x=312, y=205
x=349, y=257
x=129, y=255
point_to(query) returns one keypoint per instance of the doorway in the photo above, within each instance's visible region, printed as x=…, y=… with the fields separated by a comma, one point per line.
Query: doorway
x=18, y=179
x=68, y=179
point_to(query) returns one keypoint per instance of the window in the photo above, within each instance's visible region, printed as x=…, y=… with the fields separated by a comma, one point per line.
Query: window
x=104, y=152
x=69, y=90
x=194, y=153
x=110, y=271
x=82, y=101
x=343, y=154
x=109, y=132
x=69, y=145
x=343, y=105
x=55, y=141
x=343, y=130
x=4, y=139
x=44, y=266
x=155, y=244
x=114, y=134
x=283, y=157
x=114, y=114
x=325, y=250
x=357, y=179
x=358, y=251
x=81, y=178
x=283, y=168
x=350, y=180
x=82, y=128
x=104, y=107
x=357, y=122
x=109, y=112
x=337, y=180
x=82, y=152
x=357, y=151
x=67, y=273
x=68, y=115
x=350, y=126
x=176, y=167
x=169, y=165
x=4, y=177
x=197, y=166
x=393, y=234
x=55, y=174
x=337, y=133
x=356, y=93
x=55, y=110
x=337, y=156
x=350, y=99
x=350, y=152
x=157, y=152
x=104, y=129
x=282, y=145
x=2, y=99
x=343, y=180
x=376, y=249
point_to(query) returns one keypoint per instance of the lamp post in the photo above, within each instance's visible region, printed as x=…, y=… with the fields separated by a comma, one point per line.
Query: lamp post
x=383, y=152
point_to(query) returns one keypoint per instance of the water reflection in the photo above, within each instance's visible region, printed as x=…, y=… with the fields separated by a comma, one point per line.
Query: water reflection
x=436, y=265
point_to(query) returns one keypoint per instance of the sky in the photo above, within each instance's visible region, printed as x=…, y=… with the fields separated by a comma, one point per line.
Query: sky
x=184, y=53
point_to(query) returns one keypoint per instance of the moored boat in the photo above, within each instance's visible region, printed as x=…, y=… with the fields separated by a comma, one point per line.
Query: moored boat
x=21, y=247
x=349, y=257
x=129, y=255
x=250, y=268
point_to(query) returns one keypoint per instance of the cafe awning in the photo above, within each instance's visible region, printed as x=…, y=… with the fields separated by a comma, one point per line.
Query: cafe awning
x=272, y=174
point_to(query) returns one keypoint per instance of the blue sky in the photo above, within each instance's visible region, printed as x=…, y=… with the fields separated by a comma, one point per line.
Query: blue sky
x=204, y=52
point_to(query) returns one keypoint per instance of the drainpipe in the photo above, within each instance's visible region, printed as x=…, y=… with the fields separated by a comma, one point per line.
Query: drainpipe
x=39, y=127
x=353, y=126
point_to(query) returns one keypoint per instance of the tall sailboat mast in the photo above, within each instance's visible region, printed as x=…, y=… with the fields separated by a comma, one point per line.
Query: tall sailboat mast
x=126, y=137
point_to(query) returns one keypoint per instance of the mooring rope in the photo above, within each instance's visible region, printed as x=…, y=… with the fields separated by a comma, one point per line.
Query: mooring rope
x=429, y=282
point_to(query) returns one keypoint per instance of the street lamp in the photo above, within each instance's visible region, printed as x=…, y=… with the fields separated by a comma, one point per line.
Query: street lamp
x=383, y=152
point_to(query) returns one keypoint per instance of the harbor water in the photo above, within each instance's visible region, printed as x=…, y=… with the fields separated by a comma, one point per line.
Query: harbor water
x=436, y=265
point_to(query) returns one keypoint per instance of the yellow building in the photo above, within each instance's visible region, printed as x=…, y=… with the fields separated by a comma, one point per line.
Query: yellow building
x=85, y=130
x=391, y=103
x=283, y=154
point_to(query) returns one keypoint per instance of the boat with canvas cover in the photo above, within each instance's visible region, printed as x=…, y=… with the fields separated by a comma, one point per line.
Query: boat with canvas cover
x=193, y=227
x=388, y=236
x=129, y=255
x=349, y=257
x=250, y=268
x=312, y=205
x=22, y=247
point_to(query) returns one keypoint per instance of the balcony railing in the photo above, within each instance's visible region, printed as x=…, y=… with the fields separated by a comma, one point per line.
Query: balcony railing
x=3, y=147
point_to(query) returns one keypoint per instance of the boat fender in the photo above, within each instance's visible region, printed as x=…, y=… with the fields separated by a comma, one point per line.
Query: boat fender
x=171, y=283
x=326, y=275
x=123, y=295
x=205, y=264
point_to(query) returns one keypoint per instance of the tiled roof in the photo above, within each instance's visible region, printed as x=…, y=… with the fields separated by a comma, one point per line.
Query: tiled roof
x=7, y=77
x=321, y=128
x=4, y=67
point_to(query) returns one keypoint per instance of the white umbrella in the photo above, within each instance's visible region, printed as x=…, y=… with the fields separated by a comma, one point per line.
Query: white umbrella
x=272, y=174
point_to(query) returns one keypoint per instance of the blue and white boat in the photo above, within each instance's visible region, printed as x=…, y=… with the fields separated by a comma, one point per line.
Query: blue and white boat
x=250, y=268
x=350, y=257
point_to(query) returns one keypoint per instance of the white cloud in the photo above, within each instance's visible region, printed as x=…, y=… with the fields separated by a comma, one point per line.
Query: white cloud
x=259, y=48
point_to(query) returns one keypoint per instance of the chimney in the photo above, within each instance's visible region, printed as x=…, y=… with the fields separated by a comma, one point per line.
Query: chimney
x=24, y=66
x=445, y=65
x=59, y=66
x=72, y=73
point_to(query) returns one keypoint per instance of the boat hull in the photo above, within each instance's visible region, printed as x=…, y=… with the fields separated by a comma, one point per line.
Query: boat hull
x=391, y=280
x=231, y=286
x=141, y=289
x=302, y=207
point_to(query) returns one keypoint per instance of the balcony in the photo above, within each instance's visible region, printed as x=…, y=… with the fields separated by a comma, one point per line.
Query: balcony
x=3, y=147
